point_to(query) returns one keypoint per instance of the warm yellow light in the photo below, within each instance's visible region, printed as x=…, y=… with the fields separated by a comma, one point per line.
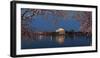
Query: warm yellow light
x=61, y=31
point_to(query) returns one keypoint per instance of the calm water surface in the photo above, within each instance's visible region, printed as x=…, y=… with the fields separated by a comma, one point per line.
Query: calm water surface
x=43, y=41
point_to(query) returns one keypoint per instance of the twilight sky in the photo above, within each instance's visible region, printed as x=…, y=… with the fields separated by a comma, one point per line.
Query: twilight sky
x=50, y=21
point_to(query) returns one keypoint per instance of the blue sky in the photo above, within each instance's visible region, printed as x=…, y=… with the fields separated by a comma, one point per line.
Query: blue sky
x=41, y=24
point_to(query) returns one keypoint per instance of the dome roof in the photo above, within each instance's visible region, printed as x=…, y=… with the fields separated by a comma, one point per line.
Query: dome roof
x=60, y=29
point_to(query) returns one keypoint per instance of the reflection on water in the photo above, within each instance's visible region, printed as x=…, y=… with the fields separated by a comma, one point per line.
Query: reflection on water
x=52, y=41
x=60, y=39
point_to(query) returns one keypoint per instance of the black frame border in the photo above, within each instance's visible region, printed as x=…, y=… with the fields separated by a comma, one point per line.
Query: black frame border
x=13, y=28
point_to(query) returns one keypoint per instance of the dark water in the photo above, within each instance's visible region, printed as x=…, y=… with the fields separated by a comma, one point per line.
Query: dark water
x=43, y=41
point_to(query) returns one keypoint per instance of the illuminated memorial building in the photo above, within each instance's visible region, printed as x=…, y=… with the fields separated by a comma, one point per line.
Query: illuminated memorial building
x=60, y=37
x=61, y=31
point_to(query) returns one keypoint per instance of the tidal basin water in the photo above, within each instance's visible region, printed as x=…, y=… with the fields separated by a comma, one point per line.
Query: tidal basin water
x=48, y=41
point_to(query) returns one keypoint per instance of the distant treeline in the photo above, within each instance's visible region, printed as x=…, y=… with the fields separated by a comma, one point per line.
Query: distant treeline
x=31, y=34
